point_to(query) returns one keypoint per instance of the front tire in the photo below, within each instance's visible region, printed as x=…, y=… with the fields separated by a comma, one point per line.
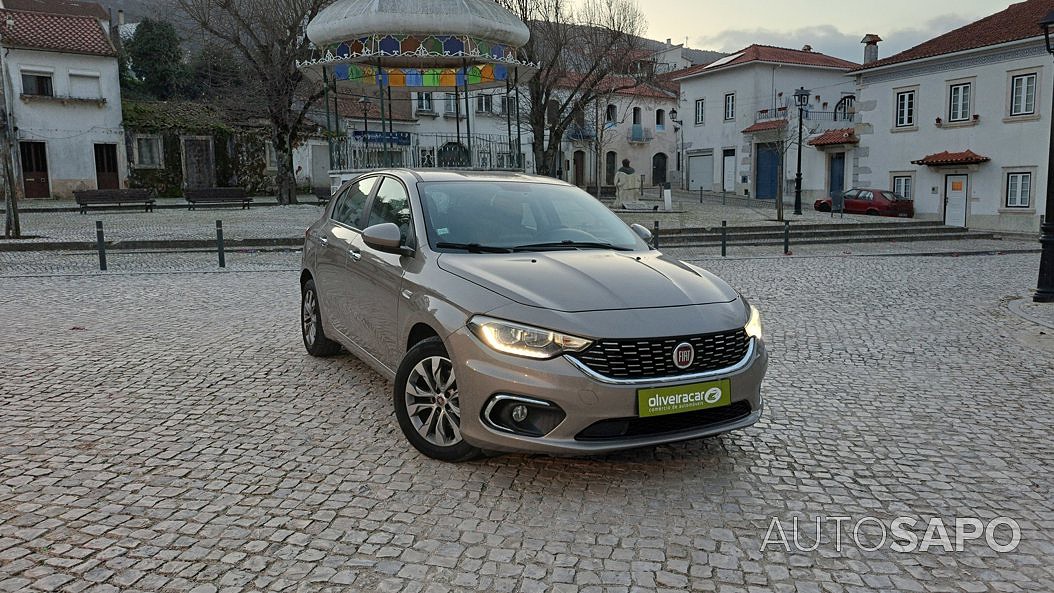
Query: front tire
x=315, y=340
x=428, y=404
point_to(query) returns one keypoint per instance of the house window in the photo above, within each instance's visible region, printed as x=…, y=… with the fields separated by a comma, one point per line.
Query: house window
x=504, y=103
x=552, y=112
x=424, y=102
x=484, y=103
x=906, y=109
x=730, y=106
x=636, y=116
x=148, y=152
x=38, y=84
x=1023, y=95
x=959, y=102
x=700, y=111
x=902, y=186
x=85, y=86
x=451, y=103
x=272, y=156
x=612, y=114
x=1018, y=190
x=660, y=120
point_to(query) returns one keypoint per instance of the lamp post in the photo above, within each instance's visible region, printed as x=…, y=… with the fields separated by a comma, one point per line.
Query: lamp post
x=801, y=99
x=365, y=102
x=678, y=127
x=1045, y=291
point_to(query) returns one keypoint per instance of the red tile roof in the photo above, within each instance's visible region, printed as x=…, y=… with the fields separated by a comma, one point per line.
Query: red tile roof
x=766, y=126
x=945, y=159
x=68, y=7
x=835, y=137
x=770, y=54
x=1019, y=21
x=54, y=32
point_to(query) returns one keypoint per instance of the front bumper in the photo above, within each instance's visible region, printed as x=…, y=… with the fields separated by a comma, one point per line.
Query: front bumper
x=483, y=373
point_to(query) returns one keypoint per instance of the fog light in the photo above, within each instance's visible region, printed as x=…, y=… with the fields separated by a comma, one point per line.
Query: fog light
x=519, y=413
x=524, y=416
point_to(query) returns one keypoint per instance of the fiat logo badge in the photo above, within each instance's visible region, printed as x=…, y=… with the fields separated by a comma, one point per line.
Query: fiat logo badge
x=683, y=356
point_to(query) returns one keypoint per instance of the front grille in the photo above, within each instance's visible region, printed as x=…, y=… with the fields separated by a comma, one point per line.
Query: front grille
x=653, y=359
x=627, y=428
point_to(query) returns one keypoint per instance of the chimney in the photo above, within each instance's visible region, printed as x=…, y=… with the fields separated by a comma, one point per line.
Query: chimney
x=870, y=42
x=807, y=48
x=669, y=42
x=120, y=18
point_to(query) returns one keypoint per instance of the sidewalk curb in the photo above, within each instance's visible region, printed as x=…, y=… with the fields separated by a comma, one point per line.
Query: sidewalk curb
x=136, y=245
x=1016, y=307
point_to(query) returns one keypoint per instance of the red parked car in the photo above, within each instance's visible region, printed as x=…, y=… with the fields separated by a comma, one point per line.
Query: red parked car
x=873, y=202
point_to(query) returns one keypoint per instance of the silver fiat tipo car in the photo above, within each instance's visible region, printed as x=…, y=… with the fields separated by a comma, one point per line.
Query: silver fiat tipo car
x=518, y=313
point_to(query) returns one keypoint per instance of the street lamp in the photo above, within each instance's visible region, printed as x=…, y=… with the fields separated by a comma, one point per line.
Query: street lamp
x=1045, y=291
x=678, y=128
x=801, y=99
x=365, y=103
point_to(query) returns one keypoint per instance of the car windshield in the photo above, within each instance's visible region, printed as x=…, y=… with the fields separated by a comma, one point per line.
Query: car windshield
x=495, y=216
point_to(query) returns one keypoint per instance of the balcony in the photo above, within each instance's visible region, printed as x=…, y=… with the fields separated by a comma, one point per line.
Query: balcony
x=581, y=132
x=639, y=134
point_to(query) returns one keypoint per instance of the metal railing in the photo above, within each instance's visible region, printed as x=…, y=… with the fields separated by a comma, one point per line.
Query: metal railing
x=440, y=151
x=639, y=134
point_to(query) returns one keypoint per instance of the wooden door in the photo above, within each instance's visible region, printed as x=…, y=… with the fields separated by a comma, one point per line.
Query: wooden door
x=106, y=175
x=35, y=169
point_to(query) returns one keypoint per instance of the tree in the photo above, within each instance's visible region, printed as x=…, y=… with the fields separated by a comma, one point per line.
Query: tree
x=269, y=36
x=585, y=49
x=155, y=56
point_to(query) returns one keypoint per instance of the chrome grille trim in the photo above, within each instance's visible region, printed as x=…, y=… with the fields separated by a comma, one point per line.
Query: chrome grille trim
x=739, y=366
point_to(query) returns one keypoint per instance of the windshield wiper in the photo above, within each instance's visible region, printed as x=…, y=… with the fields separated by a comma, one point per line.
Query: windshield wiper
x=474, y=247
x=571, y=245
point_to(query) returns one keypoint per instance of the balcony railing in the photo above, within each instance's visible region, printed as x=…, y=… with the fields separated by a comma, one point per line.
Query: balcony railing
x=441, y=151
x=580, y=132
x=639, y=134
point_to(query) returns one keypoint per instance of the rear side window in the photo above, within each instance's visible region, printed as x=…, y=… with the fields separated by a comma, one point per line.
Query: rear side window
x=350, y=205
x=391, y=205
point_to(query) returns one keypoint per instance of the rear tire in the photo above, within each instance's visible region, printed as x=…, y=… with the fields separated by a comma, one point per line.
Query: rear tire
x=315, y=340
x=872, y=212
x=428, y=405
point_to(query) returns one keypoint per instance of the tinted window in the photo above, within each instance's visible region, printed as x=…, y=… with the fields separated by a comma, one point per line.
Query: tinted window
x=391, y=205
x=351, y=203
x=516, y=214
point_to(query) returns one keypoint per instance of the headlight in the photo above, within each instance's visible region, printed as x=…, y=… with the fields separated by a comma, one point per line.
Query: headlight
x=753, y=327
x=522, y=340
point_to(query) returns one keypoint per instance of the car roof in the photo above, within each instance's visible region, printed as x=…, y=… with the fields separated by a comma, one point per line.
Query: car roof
x=433, y=175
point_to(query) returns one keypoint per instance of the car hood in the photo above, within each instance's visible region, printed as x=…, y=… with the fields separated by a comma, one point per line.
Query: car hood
x=594, y=280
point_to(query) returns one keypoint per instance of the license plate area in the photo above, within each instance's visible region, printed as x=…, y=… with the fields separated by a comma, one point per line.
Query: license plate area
x=663, y=401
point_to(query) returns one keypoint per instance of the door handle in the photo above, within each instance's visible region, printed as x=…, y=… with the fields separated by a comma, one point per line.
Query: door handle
x=355, y=254
x=324, y=240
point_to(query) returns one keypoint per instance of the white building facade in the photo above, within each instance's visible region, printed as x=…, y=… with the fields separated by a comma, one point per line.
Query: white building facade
x=960, y=123
x=62, y=88
x=741, y=123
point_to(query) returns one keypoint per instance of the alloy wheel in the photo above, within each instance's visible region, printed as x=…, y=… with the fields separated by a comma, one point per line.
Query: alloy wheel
x=310, y=317
x=432, y=401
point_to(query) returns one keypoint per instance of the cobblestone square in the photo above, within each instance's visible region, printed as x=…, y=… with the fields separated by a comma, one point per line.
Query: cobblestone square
x=162, y=429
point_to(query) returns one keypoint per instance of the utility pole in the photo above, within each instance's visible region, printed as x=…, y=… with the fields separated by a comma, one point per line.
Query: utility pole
x=9, y=185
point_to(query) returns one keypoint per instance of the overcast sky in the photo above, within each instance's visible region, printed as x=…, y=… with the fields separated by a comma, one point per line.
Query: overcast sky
x=830, y=27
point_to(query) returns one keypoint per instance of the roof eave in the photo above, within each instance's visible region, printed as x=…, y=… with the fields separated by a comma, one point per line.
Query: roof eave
x=926, y=59
x=844, y=69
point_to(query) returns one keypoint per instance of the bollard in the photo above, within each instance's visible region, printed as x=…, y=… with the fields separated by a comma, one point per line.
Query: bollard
x=700, y=194
x=100, y=243
x=219, y=243
x=724, y=238
x=655, y=236
x=724, y=196
x=786, y=237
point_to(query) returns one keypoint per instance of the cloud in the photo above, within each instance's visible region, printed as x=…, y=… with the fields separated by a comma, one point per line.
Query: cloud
x=830, y=40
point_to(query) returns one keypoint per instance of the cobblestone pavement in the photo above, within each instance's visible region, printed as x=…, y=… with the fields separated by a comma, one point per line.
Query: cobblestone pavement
x=166, y=432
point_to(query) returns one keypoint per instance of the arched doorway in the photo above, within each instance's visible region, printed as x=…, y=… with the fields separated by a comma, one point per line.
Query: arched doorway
x=610, y=167
x=658, y=169
x=580, y=168
x=453, y=154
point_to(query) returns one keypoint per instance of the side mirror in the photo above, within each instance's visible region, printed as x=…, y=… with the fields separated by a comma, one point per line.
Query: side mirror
x=642, y=232
x=384, y=237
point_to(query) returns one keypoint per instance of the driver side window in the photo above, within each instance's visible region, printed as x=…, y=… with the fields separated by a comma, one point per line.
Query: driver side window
x=392, y=204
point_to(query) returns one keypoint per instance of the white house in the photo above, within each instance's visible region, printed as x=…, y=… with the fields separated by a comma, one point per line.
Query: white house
x=960, y=124
x=62, y=88
x=740, y=122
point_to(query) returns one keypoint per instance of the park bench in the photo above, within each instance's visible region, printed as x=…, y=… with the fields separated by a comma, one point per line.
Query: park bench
x=217, y=196
x=114, y=198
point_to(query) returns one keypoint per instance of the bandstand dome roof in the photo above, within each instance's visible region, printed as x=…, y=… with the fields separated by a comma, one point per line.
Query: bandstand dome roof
x=350, y=19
